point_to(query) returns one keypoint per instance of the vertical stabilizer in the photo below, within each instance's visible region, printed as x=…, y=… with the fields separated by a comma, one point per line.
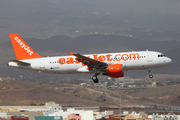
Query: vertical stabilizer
x=21, y=48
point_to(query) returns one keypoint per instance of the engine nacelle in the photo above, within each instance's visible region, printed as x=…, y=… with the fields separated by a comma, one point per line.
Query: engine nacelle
x=115, y=70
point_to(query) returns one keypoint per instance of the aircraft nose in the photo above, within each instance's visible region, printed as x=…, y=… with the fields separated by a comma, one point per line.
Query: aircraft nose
x=168, y=60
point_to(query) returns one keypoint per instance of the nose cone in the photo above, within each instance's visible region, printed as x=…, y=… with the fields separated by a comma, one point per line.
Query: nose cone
x=168, y=61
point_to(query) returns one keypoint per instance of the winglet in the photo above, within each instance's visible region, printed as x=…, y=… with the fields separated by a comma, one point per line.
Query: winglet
x=71, y=53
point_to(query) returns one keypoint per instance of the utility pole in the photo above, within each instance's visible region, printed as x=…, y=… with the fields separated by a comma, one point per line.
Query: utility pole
x=120, y=108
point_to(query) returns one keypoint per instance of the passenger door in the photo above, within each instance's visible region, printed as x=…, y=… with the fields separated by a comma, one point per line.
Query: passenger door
x=149, y=56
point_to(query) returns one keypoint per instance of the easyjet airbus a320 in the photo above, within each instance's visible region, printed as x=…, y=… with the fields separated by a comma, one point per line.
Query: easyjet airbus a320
x=109, y=64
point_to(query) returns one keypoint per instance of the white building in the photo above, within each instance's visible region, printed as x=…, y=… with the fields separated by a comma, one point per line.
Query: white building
x=164, y=117
x=3, y=115
x=85, y=115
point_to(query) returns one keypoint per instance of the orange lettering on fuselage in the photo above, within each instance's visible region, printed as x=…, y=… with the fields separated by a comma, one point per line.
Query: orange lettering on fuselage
x=109, y=57
x=102, y=58
x=95, y=57
x=70, y=60
x=62, y=61
x=125, y=57
x=134, y=56
x=117, y=58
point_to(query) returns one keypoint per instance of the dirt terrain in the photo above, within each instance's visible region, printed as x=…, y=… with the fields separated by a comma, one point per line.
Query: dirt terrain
x=15, y=92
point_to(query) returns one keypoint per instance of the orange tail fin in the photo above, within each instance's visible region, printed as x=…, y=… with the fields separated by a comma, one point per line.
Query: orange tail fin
x=21, y=48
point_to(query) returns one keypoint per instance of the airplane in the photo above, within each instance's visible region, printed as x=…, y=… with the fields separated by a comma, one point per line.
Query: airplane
x=108, y=64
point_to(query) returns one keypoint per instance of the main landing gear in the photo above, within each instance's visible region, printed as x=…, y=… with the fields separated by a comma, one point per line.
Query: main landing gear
x=150, y=74
x=95, y=79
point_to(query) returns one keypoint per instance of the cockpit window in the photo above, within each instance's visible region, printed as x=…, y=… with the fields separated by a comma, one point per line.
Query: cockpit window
x=161, y=55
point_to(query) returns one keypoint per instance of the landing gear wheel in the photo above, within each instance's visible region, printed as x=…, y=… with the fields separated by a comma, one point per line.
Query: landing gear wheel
x=150, y=76
x=95, y=79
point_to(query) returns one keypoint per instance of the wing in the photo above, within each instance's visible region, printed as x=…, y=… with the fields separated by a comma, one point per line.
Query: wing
x=91, y=63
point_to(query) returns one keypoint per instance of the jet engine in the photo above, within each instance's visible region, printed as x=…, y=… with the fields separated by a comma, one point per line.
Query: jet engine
x=114, y=70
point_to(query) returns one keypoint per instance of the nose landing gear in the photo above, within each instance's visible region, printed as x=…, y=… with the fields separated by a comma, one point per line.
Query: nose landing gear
x=150, y=74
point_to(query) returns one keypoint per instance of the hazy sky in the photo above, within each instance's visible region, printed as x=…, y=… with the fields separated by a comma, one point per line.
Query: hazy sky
x=165, y=6
x=52, y=15
x=142, y=6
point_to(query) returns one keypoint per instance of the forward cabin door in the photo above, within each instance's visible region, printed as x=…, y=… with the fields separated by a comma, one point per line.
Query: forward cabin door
x=149, y=56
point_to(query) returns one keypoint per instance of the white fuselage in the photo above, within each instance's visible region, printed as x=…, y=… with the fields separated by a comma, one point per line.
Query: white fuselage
x=135, y=60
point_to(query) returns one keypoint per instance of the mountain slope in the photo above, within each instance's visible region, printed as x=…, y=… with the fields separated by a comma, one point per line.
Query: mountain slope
x=15, y=92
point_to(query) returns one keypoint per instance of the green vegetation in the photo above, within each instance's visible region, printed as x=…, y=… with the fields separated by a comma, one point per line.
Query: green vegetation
x=33, y=104
x=103, y=118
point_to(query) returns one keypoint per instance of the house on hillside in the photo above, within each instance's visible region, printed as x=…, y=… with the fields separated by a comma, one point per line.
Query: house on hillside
x=74, y=116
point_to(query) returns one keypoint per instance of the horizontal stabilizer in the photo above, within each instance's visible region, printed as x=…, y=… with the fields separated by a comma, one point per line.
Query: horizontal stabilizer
x=20, y=62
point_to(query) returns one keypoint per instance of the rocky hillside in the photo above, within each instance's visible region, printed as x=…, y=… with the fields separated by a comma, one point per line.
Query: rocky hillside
x=14, y=92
